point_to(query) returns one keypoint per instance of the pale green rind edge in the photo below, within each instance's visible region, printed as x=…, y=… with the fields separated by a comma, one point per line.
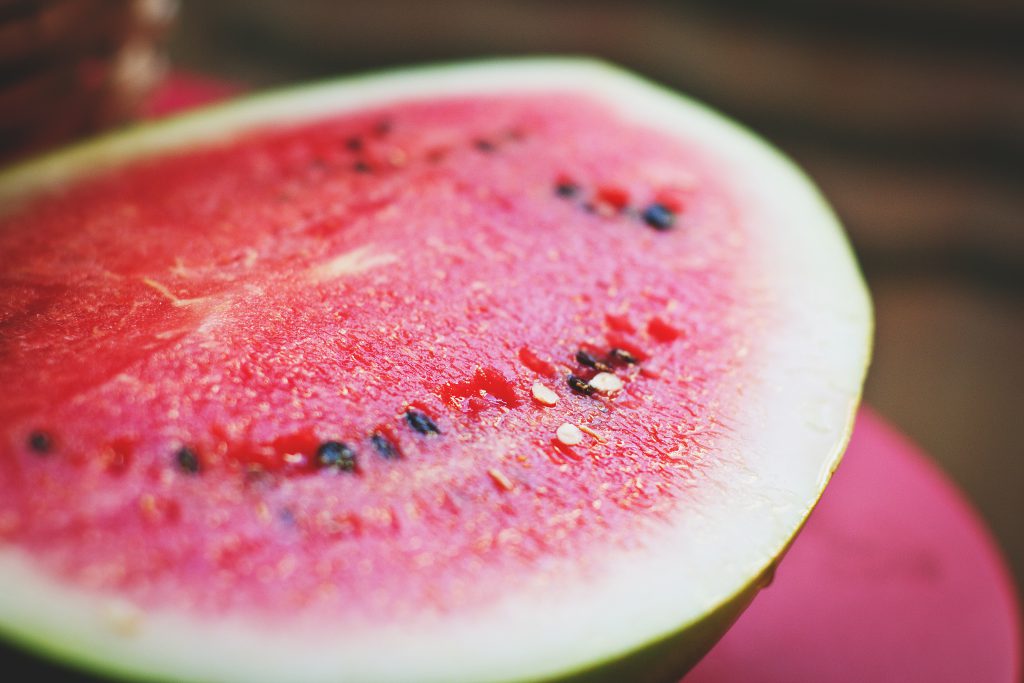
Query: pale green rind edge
x=660, y=661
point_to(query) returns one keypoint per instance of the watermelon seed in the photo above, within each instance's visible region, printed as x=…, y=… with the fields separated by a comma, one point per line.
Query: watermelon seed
x=188, y=460
x=659, y=217
x=588, y=360
x=606, y=383
x=40, y=442
x=336, y=455
x=569, y=434
x=500, y=479
x=580, y=386
x=383, y=127
x=420, y=422
x=543, y=395
x=485, y=146
x=566, y=190
x=354, y=143
x=597, y=435
x=361, y=167
x=622, y=356
x=384, y=446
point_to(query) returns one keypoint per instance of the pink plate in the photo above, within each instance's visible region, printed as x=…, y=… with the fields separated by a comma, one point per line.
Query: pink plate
x=894, y=578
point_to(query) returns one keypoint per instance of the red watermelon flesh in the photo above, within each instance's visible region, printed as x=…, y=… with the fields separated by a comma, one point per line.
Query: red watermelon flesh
x=251, y=301
x=518, y=367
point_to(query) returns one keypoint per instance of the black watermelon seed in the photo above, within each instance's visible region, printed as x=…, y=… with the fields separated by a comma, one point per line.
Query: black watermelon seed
x=659, y=217
x=40, y=442
x=188, y=460
x=336, y=455
x=566, y=190
x=354, y=143
x=420, y=422
x=383, y=127
x=484, y=145
x=580, y=386
x=586, y=359
x=361, y=167
x=622, y=356
x=384, y=446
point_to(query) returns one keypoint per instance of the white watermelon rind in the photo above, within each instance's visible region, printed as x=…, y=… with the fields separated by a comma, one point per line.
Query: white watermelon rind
x=653, y=615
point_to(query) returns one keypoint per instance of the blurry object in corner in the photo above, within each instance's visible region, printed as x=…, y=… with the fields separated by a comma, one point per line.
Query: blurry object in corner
x=69, y=68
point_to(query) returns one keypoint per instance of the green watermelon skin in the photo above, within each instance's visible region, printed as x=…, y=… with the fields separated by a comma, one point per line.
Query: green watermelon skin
x=288, y=366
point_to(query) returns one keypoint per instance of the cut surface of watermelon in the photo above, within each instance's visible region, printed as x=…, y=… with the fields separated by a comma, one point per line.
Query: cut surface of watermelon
x=495, y=372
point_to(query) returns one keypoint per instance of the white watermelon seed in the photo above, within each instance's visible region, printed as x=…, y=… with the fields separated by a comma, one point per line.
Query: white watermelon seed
x=543, y=394
x=597, y=435
x=569, y=434
x=606, y=383
x=500, y=480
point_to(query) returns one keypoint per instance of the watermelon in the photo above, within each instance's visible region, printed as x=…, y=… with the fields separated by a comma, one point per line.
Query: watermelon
x=526, y=370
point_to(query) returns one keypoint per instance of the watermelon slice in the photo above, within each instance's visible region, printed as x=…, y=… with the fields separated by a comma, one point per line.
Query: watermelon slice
x=513, y=371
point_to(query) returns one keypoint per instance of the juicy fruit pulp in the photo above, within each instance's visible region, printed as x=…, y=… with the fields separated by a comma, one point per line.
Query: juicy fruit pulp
x=433, y=359
x=239, y=317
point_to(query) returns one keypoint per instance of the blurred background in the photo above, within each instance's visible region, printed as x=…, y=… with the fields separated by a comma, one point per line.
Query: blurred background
x=908, y=113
